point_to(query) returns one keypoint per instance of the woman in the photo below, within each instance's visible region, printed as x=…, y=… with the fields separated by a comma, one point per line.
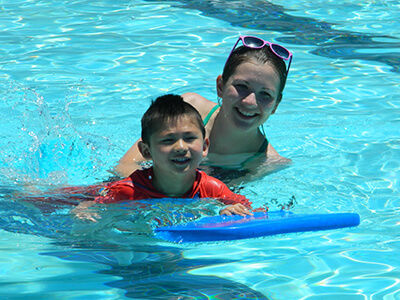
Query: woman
x=250, y=89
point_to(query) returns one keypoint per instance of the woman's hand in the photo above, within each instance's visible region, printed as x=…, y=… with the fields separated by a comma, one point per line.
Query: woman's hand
x=236, y=209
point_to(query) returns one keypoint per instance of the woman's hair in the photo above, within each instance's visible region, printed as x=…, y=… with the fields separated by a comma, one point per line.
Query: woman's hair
x=168, y=108
x=244, y=54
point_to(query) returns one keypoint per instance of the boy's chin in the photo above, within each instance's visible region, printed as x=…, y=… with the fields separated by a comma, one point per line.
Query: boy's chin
x=184, y=169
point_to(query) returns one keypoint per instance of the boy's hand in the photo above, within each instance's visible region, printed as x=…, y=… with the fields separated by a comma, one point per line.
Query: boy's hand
x=83, y=212
x=236, y=209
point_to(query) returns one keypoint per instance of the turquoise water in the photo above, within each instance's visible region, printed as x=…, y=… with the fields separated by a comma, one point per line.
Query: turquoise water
x=75, y=78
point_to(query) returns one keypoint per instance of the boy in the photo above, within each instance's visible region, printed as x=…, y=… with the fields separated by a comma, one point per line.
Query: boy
x=173, y=137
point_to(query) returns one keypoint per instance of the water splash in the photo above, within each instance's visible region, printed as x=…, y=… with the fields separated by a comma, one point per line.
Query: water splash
x=42, y=145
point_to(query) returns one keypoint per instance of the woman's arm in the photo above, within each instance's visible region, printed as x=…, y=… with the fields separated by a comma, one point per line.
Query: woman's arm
x=130, y=162
x=200, y=103
x=274, y=158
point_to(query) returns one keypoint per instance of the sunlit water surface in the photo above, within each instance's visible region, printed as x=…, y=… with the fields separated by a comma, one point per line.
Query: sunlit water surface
x=75, y=78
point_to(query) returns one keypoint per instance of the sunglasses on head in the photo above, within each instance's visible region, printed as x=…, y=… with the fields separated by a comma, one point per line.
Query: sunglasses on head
x=257, y=43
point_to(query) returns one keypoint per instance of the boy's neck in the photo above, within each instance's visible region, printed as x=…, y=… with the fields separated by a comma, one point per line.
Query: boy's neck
x=173, y=185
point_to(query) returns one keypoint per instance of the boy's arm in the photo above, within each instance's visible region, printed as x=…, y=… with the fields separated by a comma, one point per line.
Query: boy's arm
x=112, y=192
x=236, y=204
x=83, y=212
x=235, y=209
x=228, y=197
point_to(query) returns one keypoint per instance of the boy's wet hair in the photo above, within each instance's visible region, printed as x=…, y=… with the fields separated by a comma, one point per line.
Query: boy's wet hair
x=244, y=54
x=165, y=109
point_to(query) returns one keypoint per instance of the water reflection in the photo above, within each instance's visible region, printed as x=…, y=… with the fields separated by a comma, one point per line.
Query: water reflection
x=328, y=42
x=145, y=267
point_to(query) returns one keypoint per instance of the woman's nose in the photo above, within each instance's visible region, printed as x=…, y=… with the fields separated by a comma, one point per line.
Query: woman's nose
x=250, y=99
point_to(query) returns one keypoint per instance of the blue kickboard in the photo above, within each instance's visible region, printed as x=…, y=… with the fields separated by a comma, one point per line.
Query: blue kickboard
x=220, y=228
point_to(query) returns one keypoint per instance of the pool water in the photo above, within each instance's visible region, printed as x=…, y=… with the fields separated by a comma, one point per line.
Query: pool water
x=76, y=77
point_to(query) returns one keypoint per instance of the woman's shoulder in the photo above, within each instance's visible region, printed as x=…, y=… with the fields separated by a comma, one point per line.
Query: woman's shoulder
x=203, y=105
x=273, y=156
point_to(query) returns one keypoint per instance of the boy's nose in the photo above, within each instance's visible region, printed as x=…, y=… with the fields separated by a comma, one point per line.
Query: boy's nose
x=180, y=146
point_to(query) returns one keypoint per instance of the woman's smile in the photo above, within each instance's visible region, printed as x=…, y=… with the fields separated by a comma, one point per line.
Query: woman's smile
x=246, y=114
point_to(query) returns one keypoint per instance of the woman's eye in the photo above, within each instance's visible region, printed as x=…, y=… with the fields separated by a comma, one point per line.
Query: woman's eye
x=266, y=96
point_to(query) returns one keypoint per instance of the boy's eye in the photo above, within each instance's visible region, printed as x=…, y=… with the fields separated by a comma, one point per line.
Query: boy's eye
x=241, y=88
x=190, y=138
x=167, y=141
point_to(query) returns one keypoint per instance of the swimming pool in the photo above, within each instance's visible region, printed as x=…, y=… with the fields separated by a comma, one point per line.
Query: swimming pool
x=76, y=77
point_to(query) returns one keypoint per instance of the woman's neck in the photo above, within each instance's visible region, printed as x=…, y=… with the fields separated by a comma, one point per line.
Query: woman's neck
x=228, y=140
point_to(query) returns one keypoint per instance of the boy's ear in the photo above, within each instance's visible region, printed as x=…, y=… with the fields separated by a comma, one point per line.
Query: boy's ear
x=144, y=150
x=220, y=86
x=206, y=146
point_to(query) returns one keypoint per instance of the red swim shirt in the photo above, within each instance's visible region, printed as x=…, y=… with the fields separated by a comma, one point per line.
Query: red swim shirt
x=139, y=186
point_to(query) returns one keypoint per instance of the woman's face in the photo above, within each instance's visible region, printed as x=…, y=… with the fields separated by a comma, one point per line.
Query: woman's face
x=250, y=95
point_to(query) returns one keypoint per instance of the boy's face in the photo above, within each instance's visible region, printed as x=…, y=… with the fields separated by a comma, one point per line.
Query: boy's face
x=178, y=147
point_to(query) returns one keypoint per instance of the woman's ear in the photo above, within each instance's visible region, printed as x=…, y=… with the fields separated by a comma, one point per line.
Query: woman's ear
x=220, y=86
x=144, y=149
x=277, y=103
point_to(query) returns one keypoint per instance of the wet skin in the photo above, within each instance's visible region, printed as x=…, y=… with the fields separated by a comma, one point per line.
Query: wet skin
x=250, y=95
x=176, y=150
